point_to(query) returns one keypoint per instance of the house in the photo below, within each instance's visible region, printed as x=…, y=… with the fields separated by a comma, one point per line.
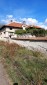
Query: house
x=9, y=29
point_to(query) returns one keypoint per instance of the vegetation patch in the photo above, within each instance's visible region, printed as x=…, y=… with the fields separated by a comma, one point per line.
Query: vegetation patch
x=25, y=67
x=38, y=32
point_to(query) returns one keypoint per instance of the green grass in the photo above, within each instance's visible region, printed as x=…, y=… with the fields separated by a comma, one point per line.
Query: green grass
x=24, y=66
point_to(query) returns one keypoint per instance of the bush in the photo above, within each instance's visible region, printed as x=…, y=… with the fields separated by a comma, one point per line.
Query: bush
x=46, y=32
x=21, y=31
x=37, y=32
x=41, y=32
x=33, y=31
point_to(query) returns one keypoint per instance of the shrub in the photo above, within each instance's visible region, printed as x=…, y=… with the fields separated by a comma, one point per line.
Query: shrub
x=21, y=31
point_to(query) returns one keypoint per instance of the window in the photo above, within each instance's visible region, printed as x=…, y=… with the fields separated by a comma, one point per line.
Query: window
x=4, y=32
x=10, y=28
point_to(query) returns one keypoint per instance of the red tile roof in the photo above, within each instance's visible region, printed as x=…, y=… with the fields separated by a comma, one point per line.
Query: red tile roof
x=19, y=25
x=37, y=26
x=15, y=24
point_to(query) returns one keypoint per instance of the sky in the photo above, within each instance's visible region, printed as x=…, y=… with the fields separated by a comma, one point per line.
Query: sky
x=31, y=11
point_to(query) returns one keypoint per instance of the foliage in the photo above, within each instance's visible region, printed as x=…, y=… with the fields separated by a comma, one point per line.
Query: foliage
x=33, y=31
x=36, y=32
x=46, y=32
x=20, y=32
x=39, y=32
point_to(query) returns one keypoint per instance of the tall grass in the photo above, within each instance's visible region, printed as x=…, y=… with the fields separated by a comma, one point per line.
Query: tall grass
x=24, y=66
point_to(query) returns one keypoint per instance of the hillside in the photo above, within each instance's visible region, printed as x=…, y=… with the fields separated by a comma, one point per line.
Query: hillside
x=26, y=67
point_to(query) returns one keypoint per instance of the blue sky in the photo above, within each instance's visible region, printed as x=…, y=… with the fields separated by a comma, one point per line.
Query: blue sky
x=24, y=10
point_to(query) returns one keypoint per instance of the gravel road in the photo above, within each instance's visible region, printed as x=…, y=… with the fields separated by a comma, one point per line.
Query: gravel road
x=41, y=46
x=37, y=45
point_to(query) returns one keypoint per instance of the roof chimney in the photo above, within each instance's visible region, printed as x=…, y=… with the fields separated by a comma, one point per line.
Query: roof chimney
x=11, y=20
x=24, y=22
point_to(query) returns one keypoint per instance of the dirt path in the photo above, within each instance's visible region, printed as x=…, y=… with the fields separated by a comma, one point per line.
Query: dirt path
x=3, y=78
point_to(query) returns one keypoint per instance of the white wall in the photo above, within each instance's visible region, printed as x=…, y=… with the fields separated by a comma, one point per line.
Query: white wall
x=8, y=30
x=6, y=34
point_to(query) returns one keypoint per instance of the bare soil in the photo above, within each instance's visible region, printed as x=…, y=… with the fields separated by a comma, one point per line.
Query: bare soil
x=4, y=80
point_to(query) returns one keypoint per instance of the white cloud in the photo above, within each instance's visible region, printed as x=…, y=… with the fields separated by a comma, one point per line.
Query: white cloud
x=29, y=21
x=9, y=16
x=8, y=19
x=46, y=21
x=44, y=26
x=3, y=20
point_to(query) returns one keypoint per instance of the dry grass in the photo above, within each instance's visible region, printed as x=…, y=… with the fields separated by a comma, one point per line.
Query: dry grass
x=22, y=65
